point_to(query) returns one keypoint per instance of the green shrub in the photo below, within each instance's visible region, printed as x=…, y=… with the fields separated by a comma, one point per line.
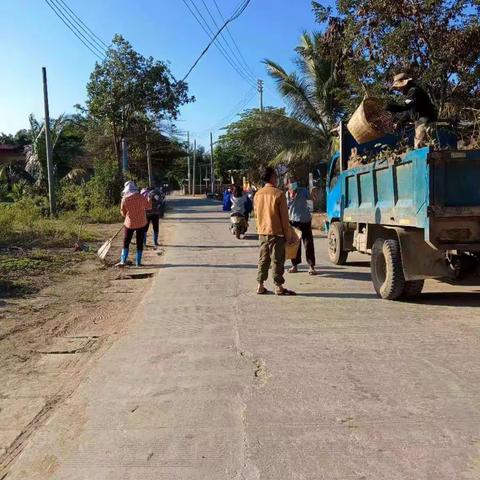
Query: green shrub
x=98, y=199
x=25, y=223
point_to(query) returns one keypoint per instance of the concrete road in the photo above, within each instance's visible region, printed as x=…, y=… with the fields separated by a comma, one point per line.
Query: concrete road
x=212, y=382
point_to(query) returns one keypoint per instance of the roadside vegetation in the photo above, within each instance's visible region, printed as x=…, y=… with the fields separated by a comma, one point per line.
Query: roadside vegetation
x=128, y=96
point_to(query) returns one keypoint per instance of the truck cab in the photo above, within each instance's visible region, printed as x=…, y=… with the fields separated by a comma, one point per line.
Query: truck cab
x=417, y=214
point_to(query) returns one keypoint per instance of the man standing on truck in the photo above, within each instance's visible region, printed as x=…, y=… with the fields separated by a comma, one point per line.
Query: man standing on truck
x=417, y=108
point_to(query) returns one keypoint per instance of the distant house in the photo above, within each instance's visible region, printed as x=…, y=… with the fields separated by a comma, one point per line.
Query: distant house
x=11, y=154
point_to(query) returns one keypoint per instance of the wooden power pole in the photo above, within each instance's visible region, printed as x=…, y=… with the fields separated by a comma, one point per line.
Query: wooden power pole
x=48, y=146
x=189, y=175
x=194, y=163
x=212, y=172
x=260, y=91
x=124, y=156
x=149, y=159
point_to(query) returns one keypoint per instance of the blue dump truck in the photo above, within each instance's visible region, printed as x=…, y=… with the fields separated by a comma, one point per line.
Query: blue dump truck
x=416, y=214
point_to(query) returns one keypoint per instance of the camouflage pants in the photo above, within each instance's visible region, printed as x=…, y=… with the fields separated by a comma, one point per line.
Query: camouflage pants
x=272, y=251
x=422, y=133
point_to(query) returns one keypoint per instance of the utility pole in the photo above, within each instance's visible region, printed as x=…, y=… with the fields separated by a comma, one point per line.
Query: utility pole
x=200, y=179
x=149, y=160
x=260, y=91
x=188, y=165
x=124, y=156
x=194, y=163
x=48, y=146
x=212, y=172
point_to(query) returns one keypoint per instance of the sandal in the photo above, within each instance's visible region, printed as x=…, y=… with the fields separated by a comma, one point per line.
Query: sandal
x=312, y=271
x=262, y=291
x=293, y=270
x=285, y=293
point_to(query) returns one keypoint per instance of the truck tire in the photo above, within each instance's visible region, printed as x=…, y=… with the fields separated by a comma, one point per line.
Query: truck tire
x=387, y=270
x=413, y=288
x=338, y=256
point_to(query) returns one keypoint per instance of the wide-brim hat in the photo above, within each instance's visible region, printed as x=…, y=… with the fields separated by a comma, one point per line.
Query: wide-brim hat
x=129, y=188
x=401, y=80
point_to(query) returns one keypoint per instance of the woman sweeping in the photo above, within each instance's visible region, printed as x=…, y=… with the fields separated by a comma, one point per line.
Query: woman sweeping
x=133, y=208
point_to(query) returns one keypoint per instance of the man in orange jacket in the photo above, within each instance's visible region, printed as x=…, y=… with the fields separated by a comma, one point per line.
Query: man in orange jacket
x=274, y=231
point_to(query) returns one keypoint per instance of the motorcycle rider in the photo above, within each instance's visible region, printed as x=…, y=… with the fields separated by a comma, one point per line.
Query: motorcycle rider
x=241, y=203
x=241, y=206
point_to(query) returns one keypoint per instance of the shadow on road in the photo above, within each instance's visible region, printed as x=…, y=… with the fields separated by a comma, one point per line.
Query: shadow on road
x=346, y=275
x=449, y=299
x=356, y=296
x=358, y=264
x=211, y=247
x=208, y=265
x=196, y=220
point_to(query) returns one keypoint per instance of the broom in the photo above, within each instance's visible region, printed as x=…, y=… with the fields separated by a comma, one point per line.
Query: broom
x=105, y=248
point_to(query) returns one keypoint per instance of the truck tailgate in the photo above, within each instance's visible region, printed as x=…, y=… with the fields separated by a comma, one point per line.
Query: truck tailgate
x=454, y=209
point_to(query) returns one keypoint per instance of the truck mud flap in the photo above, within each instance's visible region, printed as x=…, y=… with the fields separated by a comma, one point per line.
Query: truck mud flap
x=419, y=259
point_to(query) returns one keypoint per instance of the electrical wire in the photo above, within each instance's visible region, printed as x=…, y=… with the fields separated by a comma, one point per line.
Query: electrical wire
x=206, y=28
x=235, y=15
x=234, y=42
x=85, y=27
x=237, y=59
x=239, y=107
x=59, y=13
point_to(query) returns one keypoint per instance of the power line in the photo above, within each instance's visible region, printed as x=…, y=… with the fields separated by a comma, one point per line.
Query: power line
x=239, y=107
x=235, y=15
x=238, y=60
x=59, y=13
x=70, y=21
x=210, y=34
x=234, y=42
x=85, y=27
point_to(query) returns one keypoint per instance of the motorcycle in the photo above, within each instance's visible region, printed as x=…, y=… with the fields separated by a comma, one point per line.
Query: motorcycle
x=239, y=224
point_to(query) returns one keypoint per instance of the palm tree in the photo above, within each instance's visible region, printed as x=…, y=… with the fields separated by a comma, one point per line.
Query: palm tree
x=313, y=111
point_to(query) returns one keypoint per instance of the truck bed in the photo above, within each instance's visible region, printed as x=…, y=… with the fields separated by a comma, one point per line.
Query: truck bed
x=438, y=191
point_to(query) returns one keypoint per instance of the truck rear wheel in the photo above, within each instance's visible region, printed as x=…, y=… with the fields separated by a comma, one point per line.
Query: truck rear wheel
x=337, y=254
x=387, y=270
x=413, y=288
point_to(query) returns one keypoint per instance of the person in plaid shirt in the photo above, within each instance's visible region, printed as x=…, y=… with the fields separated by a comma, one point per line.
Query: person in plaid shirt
x=133, y=209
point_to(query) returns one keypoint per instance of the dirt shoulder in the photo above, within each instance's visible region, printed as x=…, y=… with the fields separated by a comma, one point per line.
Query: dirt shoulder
x=61, y=309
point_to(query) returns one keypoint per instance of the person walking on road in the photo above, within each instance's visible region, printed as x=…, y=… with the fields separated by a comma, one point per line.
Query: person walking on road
x=133, y=208
x=301, y=218
x=153, y=215
x=274, y=231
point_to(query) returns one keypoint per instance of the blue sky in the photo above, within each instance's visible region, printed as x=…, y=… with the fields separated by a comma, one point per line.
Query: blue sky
x=32, y=36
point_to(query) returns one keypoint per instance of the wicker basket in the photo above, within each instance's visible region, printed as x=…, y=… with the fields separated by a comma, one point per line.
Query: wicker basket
x=370, y=121
x=291, y=249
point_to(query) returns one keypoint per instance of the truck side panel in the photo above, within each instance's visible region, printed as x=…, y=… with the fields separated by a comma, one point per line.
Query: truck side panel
x=388, y=193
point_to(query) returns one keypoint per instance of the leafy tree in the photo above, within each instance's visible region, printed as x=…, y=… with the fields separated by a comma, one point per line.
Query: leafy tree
x=435, y=41
x=67, y=143
x=270, y=137
x=301, y=138
x=20, y=139
x=127, y=90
